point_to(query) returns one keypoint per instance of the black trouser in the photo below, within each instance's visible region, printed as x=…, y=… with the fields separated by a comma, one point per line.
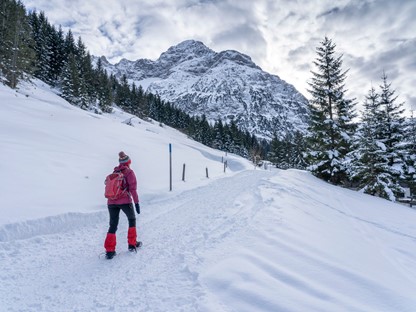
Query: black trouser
x=114, y=211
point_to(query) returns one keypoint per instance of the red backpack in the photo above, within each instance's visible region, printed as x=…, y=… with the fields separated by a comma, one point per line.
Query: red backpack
x=114, y=185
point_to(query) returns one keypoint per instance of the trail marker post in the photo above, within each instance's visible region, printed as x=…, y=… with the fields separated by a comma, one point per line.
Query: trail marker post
x=170, y=167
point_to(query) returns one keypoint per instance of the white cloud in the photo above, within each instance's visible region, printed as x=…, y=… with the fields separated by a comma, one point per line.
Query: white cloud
x=280, y=36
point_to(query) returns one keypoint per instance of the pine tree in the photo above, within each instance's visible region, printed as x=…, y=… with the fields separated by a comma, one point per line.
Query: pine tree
x=236, y=139
x=142, y=107
x=49, y=48
x=394, y=125
x=102, y=87
x=56, y=56
x=393, y=134
x=71, y=87
x=379, y=159
x=69, y=47
x=298, y=151
x=202, y=132
x=42, y=34
x=369, y=166
x=274, y=148
x=410, y=173
x=84, y=69
x=218, y=141
x=123, y=94
x=227, y=139
x=332, y=116
x=105, y=97
x=16, y=52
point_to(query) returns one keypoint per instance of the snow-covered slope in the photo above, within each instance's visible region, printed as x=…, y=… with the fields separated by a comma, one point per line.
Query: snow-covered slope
x=246, y=240
x=225, y=85
x=61, y=154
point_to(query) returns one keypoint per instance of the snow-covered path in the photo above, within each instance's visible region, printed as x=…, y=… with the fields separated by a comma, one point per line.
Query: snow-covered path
x=256, y=241
x=62, y=272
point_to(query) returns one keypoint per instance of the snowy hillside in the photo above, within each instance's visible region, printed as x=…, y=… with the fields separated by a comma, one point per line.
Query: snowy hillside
x=61, y=154
x=244, y=240
x=225, y=85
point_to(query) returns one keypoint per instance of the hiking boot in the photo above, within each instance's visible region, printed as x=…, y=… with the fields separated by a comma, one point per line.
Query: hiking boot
x=134, y=248
x=110, y=254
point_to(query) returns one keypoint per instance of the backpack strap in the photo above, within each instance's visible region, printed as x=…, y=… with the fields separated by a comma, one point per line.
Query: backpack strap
x=125, y=171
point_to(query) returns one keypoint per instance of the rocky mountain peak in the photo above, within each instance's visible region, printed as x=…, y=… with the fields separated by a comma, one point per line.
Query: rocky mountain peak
x=186, y=50
x=227, y=85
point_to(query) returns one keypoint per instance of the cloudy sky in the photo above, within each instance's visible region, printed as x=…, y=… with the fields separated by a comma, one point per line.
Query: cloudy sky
x=279, y=35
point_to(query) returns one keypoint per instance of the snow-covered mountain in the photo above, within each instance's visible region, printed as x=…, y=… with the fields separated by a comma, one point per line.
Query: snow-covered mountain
x=225, y=85
x=243, y=240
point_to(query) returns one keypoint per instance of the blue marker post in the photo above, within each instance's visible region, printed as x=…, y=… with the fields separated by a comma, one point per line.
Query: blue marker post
x=170, y=167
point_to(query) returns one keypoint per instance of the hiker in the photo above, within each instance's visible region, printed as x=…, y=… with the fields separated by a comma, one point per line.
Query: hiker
x=122, y=197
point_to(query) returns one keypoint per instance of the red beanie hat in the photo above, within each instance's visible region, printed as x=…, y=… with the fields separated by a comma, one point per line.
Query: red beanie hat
x=123, y=158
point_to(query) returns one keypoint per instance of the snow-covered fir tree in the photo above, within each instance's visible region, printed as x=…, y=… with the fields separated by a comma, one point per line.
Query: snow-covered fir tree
x=381, y=148
x=103, y=88
x=41, y=34
x=369, y=167
x=219, y=135
x=332, y=114
x=410, y=159
x=394, y=126
x=56, y=59
x=16, y=54
x=70, y=81
x=299, y=148
x=122, y=98
x=287, y=152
